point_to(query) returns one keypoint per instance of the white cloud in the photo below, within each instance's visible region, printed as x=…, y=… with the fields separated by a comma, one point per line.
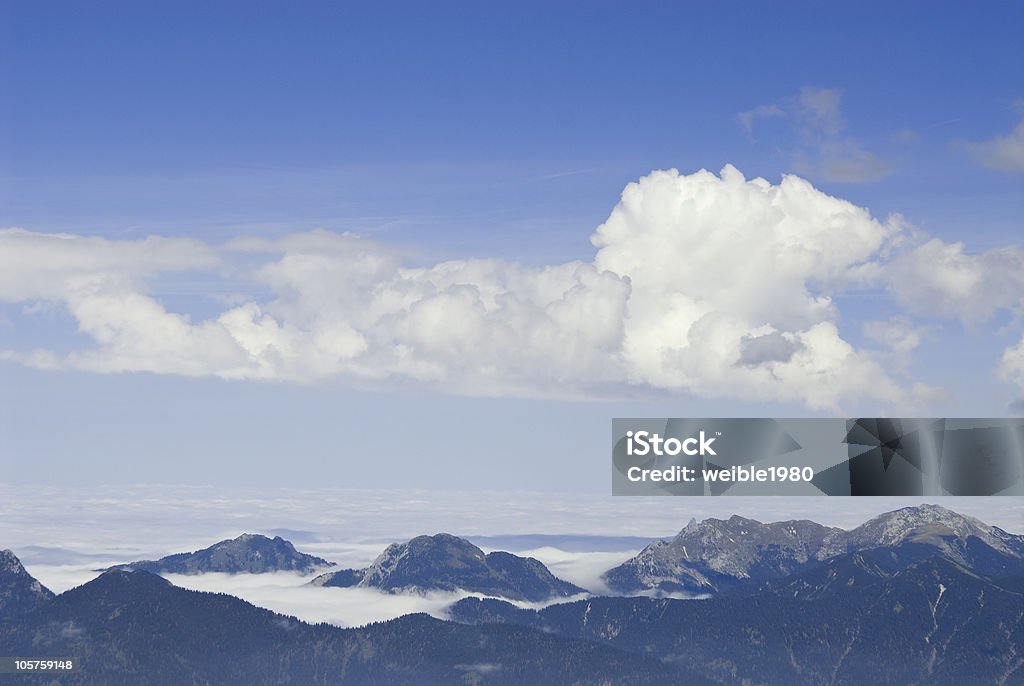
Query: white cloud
x=939, y=278
x=287, y=593
x=1003, y=153
x=711, y=285
x=284, y=592
x=343, y=306
x=41, y=266
x=584, y=569
x=896, y=333
x=942, y=279
x=715, y=262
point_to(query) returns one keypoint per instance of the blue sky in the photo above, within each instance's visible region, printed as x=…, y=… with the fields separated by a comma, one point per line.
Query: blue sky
x=460, y=132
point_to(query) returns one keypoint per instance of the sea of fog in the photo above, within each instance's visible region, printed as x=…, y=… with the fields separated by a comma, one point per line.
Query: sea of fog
x=65, y=535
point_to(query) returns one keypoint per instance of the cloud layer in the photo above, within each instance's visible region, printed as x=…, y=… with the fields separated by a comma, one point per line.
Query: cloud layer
x=114, y=524
x=704, y=284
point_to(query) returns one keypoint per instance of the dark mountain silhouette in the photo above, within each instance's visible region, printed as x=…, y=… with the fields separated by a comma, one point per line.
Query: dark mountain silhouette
x=448, y=563
x=251, y=553
x=934, y=622
x=133, y=627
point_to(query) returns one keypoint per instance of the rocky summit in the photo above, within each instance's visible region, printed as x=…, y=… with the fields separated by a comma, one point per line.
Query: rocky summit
x=19, y=591
x=448, y=563
x=249, y=553
x=715, y=554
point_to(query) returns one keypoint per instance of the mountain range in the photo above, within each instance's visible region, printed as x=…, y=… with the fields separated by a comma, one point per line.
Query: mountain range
x=934, y=622
x=448, y=563
x=921, y=595
x=133, y=627
x=715, y=555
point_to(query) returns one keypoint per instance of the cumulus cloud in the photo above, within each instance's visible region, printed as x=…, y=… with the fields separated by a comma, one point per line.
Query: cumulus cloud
x=716, y=263
x=1003, y=153
x=770, y=347
x=342, y=306
x=943, y=279
x=898, y=334
x=822, y=149
x=939, y=279
x=713, y=285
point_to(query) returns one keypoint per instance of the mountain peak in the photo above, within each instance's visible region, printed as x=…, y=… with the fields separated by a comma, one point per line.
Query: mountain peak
x=923, y=523
x=19, y=590
x=737, y=519
x=931, y=512
x=715, y=553
x=250, y=553
x=9, y=562
x=449, y=563
x=443, y=540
